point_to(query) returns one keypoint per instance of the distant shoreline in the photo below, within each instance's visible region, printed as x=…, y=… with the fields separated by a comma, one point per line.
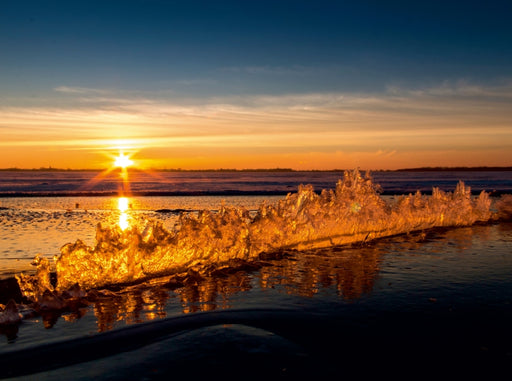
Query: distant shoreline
x=227, y=193
x=452, y=169
x=419, y=169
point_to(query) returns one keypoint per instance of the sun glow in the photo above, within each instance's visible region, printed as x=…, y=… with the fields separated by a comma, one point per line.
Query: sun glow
x=123, y=161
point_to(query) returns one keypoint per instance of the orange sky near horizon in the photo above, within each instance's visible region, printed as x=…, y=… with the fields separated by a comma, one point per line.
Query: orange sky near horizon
x=380, y=160
x=256, y=84
x=448, y=126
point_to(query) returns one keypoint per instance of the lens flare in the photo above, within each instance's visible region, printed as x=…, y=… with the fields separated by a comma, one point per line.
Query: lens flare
x=119, y=164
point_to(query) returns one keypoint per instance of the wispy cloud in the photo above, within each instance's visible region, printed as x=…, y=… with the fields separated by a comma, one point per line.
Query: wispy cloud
x=195, y=82
x=295, y=70
x=448, y=100
x=458, y=116
x=80, y=90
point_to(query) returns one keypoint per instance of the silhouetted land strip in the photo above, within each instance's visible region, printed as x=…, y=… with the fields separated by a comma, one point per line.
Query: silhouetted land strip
x=454, y=169
x=51, y=169
x=419, y=169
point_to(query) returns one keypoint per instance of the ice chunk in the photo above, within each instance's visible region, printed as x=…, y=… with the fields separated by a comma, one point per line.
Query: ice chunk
x=352, y=212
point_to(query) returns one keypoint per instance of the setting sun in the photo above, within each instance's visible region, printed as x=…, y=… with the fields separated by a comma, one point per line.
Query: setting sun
x=123, y=161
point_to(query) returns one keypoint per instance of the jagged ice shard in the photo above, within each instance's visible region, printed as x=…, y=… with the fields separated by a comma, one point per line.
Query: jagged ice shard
x=352, y=212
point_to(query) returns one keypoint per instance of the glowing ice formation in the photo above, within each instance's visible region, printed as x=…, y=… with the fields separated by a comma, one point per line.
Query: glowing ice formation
x=352, y=212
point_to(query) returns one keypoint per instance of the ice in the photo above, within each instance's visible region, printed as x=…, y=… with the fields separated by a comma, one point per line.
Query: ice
x=352, y=212
x=34, y=286
x=504, y=206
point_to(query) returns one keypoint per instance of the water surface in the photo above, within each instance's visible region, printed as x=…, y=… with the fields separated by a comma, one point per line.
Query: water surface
x=444, y=291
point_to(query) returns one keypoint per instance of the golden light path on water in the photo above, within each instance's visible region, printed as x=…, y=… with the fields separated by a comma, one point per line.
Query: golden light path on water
x=123, y=205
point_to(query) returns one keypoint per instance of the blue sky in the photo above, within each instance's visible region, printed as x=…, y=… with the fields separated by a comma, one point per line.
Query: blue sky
x=204, y=76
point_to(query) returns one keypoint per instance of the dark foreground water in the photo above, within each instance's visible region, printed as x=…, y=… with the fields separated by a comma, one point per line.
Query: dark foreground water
x=436, y=303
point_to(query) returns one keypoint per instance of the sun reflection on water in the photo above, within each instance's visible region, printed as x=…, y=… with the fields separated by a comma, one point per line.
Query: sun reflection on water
x=123, y=204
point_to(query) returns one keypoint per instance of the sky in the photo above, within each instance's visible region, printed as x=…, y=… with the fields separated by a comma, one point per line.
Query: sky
x=256, y=84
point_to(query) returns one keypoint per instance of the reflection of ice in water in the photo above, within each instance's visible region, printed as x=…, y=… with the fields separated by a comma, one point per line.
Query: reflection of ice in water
x=352, y=212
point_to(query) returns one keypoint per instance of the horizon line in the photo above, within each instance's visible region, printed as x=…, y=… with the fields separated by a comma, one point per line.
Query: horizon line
x=277, y=169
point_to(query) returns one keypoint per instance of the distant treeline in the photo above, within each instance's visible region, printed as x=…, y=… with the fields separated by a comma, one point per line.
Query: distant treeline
x=451, y=169
x=47, y=169
x=51, y=169
x=420, y=169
